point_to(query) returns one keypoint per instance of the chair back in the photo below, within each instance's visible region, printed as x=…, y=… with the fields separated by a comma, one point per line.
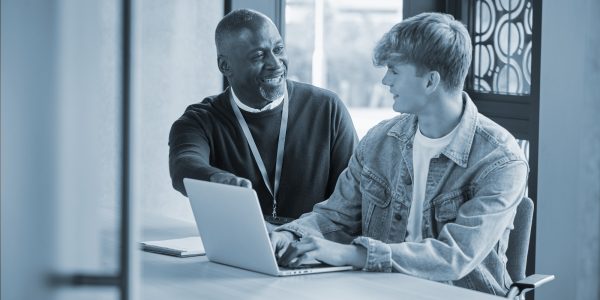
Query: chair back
x=518, y=241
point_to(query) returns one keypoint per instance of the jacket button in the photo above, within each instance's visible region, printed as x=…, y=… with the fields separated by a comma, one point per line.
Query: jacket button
x=407, y=180
x=398, y=216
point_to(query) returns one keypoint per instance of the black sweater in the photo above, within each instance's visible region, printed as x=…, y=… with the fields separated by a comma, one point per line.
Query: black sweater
x=320, y=140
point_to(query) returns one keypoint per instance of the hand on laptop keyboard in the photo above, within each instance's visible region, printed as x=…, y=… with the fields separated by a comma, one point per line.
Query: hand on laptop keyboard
x=332, y=253
x=280, y=241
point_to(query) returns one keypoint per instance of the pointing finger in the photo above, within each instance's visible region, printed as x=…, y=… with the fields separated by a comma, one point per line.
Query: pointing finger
x=243, y=182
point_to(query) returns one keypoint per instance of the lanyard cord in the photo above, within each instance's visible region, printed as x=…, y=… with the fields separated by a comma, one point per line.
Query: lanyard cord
x=257, y=158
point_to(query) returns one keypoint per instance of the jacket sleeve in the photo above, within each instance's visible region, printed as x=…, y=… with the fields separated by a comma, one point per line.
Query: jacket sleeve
x=189, y=152
x=339, y=217
x=463, y=244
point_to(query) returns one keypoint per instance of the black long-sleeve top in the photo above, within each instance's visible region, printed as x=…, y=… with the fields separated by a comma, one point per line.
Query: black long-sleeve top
x=320, y=139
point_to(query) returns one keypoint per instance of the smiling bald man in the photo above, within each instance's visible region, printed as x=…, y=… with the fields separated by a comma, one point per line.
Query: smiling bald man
x=287, y=140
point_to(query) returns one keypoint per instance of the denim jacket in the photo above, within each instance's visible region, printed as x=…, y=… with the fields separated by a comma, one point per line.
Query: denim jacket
x=472, y=192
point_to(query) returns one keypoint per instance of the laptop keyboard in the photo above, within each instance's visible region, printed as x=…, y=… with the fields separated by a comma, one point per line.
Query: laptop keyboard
x=305, y=266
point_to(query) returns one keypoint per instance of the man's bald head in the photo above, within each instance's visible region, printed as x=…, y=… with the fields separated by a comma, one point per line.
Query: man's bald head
x=251, y=55
x=234, y=22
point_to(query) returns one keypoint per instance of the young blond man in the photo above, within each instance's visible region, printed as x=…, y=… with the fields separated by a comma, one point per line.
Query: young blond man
x=430, y=193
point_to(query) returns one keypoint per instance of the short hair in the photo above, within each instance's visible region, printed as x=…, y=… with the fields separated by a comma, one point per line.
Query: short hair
x=233, y=22
x=432, y=42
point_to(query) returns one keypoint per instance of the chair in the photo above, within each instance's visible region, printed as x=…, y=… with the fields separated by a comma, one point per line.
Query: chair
x=518, y=246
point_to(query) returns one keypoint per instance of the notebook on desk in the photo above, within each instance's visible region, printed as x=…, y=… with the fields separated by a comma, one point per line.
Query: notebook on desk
x=231, y=225
x=184, y=247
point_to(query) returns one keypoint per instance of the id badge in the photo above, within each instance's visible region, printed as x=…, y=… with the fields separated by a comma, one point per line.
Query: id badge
x=278, y=220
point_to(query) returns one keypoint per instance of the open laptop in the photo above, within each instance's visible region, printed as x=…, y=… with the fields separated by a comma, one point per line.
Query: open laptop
x=233, y=231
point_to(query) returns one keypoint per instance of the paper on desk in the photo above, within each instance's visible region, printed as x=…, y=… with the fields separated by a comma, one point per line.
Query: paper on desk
x=184, y=247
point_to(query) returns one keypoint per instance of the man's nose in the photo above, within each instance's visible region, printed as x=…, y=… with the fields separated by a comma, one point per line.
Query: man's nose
x=272, y=61
x=385, y=80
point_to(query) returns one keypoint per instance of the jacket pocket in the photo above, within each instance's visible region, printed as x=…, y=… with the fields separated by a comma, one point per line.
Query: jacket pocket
x=446, y=208
x=375, y=193
x=376, y=198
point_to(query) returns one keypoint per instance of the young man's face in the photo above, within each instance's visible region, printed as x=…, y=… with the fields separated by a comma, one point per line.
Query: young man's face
x=407, y=88
x=259, y=63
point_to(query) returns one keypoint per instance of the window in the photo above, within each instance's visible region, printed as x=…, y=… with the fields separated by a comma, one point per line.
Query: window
x=505, y=70
x=330, y=45
x=502, y=46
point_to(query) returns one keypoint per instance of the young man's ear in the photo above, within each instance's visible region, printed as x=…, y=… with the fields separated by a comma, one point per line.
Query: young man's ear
x=224, y=65
x=432, y=81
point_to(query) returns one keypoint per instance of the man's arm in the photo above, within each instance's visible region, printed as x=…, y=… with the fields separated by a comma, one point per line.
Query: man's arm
x=463, y=244
x=460, y=247
x=189, y=156
x=343, y=144
x=337, y=219
x=329, y=252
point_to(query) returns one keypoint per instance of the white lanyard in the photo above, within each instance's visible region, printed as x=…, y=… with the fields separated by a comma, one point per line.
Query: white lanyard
x=256, y=154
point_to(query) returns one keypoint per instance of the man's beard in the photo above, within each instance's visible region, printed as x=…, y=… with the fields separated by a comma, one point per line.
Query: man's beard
x=272, y=93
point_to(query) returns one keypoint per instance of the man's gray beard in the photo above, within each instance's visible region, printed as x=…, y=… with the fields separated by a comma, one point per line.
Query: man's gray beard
x=272, y=94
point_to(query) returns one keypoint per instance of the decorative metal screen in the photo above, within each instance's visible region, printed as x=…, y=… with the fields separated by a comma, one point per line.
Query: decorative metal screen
x=502, y=33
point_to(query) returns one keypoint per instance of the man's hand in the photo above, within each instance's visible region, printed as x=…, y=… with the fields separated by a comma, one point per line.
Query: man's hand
x=329, y=252
x=228, y=178
x=280, y=241
x=270, y=227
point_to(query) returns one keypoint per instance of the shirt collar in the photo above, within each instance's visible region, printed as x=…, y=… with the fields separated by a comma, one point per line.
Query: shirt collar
x=459, y=148
x=247, y=108
x=435, y=142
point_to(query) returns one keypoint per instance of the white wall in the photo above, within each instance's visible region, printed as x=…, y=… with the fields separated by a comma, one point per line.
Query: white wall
x=59, y=144
x=21, y=160
x=177, y=66
x=568, y=211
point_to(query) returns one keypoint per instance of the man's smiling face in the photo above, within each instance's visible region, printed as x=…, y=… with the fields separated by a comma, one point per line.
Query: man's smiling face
x=258, y=63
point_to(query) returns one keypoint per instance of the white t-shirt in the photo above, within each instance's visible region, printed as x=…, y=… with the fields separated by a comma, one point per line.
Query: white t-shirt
x=424, y=149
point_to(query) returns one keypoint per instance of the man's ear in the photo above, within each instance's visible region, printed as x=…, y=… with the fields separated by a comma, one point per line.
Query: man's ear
x=432, y=81
x=224, y=65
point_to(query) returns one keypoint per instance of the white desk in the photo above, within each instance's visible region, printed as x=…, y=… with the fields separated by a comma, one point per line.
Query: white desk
x=165, y=277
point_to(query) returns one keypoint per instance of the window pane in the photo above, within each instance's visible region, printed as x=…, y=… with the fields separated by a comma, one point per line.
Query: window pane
x=330, y=44
x=502, y=33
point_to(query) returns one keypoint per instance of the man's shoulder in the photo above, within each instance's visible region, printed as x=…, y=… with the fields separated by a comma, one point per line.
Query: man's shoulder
x=396, y=129
x=311, y=92
x=490, y=136
x=209, y=105
x=209, y=112
x=395, y=126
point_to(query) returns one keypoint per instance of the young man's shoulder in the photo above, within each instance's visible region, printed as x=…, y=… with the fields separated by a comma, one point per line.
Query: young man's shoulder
x=389, y=133
x=396, y=126
x=490, y=136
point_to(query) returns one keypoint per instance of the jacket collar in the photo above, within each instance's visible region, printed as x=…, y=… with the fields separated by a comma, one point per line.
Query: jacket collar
x=459, y=148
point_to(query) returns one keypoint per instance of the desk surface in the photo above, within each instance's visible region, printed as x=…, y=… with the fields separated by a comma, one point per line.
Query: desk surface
x=165, y=277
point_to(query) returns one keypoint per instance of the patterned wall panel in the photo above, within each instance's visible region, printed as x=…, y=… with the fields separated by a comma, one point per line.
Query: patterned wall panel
x=502, y=33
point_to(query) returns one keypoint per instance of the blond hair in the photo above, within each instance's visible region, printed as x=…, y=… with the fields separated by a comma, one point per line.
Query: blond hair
x=432, y=42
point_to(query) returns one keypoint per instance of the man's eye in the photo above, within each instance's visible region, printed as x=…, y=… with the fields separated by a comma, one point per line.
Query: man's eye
x=278, y=50
x=258, y=55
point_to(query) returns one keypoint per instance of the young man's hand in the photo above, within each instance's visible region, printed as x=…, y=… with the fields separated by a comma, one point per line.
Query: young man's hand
x=228, y=178
x=332, y=253
x=280, y=241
